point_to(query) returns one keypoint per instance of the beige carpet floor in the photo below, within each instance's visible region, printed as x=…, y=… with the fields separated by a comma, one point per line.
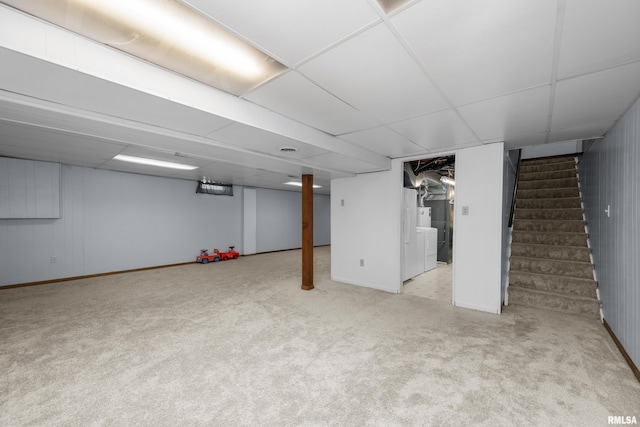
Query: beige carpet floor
x=238, y=343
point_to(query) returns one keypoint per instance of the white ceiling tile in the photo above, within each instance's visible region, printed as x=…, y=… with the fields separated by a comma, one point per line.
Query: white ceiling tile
x=527, y=140
x=385, y=141
x=478, y=50
x=296, y=97
x=279, y=180
x=23, y=141
x=592, y=130
x=194, y=175
x=290, y=30
x=342, y=163
x=264, y=142
x=44, y=80
x=436, y=131
x=217, y=168
x=258, y=162
x=598, y=35
x=21, y=135
x=32, y=153
x=373, y=73
x=145, y=137
x=596, y=97
x=510, y=115
x=159, y=155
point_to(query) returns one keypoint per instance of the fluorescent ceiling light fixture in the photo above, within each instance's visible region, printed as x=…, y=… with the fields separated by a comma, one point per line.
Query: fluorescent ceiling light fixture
x=153, y=162
x=166, y=33
x=299, y=184
x=447, y=180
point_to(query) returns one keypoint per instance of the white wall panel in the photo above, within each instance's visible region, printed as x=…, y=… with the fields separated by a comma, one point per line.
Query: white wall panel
x=609, y=176
x=478, y=235
x=321, y=220
x=279, y=220
x=555, y=149
x=29, y=189
x=365, y=224
x=365, y=219
x=115, y=221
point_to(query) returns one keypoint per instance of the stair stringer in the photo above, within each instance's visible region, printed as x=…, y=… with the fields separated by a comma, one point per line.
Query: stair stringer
x=586, y=230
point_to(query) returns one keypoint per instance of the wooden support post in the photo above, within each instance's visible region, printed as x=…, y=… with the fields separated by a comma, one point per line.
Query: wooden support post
x=307, y=232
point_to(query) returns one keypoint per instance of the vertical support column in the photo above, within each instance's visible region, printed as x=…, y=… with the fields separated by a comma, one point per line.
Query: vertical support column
x=249, y=221
x=307, y=232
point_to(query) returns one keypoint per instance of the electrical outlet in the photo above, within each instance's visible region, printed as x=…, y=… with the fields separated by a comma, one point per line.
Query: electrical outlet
x=341, y=202
x=54, y=260
x=361, y=262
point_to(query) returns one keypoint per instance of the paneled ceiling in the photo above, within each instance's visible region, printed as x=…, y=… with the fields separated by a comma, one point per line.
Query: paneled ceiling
x=360, y=87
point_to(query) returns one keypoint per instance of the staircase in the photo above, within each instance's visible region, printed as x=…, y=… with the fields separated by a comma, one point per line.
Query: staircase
x=550, y=265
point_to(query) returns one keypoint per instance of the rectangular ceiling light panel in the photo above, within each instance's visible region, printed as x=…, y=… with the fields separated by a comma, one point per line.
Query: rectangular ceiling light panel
x=299, y=184
x=166, y=33
x=153, y=162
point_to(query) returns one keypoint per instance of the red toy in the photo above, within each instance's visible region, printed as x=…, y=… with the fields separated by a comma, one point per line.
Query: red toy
x=205, y=257
x=231, y=254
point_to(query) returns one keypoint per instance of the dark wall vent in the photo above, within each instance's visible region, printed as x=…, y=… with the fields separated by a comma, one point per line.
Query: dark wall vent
x=214, y=188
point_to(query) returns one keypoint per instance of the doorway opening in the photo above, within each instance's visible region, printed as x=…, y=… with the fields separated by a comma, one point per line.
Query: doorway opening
x=427, y=227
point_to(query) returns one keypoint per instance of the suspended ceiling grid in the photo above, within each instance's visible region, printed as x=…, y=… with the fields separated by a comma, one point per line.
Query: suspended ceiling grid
x=361, y=87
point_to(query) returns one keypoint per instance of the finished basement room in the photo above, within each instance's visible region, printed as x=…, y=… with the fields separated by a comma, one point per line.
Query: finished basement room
x=373, y=212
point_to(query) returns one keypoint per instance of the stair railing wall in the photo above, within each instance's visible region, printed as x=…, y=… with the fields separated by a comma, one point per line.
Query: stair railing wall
x=511, y=165
x=515, y=189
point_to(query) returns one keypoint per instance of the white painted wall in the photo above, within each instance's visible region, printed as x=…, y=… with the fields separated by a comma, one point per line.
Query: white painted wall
x=321, y=219
x=478, y=236
x=610, y=176
x=113, y=221
x=553, y=149
x=279, y=220
x=29, y=189
x=367, y=226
